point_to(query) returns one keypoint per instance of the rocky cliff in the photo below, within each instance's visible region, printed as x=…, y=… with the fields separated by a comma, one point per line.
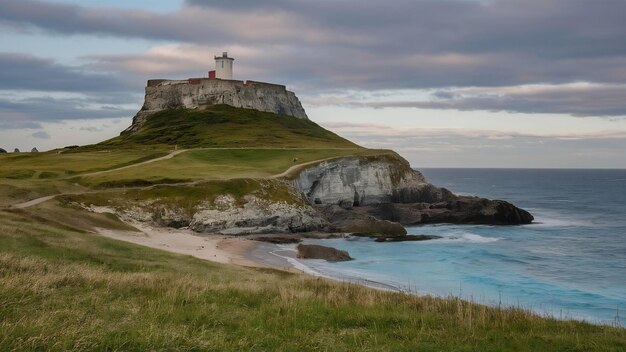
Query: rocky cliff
x=357, y=193
x=374, y=196
x=198, y=93
x=363, y=181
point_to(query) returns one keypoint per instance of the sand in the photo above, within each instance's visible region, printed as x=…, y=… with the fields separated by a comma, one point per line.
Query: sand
x=215, y=248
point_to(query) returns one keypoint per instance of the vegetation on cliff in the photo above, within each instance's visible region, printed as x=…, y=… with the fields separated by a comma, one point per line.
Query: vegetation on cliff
x=226, y=126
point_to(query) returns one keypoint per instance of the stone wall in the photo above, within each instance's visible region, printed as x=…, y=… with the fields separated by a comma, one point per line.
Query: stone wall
x=202, y=92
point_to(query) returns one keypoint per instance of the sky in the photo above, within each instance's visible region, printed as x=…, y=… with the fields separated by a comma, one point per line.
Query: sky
x=446, y=83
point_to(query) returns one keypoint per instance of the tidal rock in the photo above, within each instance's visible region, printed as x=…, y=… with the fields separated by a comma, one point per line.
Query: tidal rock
x=408, y=238
x=459, y=210
x=313, y=251
x=354, y=221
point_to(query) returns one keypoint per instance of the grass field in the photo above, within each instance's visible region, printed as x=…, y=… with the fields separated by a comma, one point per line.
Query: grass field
x=27, y=176
x=65, y=289
x=216, y=164
x=64, y=171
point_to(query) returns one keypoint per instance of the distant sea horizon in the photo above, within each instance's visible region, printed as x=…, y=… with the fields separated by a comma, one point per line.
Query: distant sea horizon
x=570, y=263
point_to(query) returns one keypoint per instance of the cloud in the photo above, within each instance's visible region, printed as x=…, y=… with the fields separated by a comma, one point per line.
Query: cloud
x=16, y=120
x=576, y=99
x=41, y=135
x=363, y=45
x=318, y=47
x=30, y=111
x=23, y=71
x=448, y=147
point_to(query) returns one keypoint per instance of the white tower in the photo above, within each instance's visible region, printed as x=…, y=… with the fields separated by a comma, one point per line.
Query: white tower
x=224, y=66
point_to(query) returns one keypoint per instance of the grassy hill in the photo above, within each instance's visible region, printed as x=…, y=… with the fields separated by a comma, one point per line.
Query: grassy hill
x=224, y=142
x=226, y=126
x=64, y=288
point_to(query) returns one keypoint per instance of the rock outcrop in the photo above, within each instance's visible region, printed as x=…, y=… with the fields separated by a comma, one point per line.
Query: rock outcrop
x=229, y=216
x=365, y=191
x=34, y=150
x=372, y=196
x=314, y=251
x=16, y=150
x=2, y=151
x=360, y=181
x=198, y=93
x=256, y=216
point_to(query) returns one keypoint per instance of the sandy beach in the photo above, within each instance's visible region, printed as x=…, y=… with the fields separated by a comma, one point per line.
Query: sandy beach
x=213, y=247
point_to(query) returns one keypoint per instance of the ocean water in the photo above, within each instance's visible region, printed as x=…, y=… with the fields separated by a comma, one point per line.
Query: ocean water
x=570, y=264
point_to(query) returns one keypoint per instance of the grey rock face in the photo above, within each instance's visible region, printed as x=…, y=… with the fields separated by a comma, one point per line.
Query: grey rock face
x=372, y=190
x=256, y=216
x=199, y=93
x=360, y=181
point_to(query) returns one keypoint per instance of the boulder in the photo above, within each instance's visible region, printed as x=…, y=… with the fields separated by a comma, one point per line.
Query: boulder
x=313, y=251
x=16, y=150
x=34, y=150
x=2, y=151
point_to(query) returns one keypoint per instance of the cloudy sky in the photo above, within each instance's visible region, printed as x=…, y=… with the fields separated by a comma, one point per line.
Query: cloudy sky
x=447, y=83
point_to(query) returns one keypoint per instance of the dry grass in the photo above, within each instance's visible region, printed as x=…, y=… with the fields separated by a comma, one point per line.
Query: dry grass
x=64, y=289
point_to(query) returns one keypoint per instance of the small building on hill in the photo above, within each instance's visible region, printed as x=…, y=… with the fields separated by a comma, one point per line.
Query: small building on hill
x=218, y=88
x=223, y=67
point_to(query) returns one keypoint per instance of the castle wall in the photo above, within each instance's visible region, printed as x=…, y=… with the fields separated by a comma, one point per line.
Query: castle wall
x=201, y=92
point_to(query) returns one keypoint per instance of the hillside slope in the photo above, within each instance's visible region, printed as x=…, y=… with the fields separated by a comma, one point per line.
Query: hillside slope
x=228, y=127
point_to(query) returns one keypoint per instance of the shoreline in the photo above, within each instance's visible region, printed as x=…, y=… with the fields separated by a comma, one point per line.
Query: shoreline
x=246, y=252
x=238, y=250
x=224, y=249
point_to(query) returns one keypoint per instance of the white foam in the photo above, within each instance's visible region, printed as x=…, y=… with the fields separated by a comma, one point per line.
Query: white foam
x=470, y=238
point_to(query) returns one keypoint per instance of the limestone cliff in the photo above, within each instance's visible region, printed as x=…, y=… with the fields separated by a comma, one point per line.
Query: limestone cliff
x=198, y=93
x=361, y=181
x=356, y=192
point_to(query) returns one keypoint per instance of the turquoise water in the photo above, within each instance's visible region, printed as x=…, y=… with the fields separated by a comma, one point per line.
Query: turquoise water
x=571, y=263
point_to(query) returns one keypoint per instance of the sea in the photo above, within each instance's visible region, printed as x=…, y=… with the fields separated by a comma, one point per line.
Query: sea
x=569, y=264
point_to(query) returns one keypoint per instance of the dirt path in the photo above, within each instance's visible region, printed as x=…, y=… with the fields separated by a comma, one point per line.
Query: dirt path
x=297, y=166
x=168, y=156
x=40, y=200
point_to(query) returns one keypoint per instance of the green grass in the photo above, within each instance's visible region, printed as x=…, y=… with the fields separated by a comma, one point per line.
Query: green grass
x=226, y=126
x=216, y=164
x=26, y=176
x=64, y=289
x=189, y=197
x=54, y=165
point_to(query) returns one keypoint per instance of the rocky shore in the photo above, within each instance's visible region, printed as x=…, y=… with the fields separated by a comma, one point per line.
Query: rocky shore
x=373, y=196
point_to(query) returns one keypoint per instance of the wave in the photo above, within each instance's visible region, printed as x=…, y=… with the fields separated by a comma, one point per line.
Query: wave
x=466, y=237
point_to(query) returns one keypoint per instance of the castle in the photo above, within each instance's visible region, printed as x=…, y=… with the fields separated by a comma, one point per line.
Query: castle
x=217, y=88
